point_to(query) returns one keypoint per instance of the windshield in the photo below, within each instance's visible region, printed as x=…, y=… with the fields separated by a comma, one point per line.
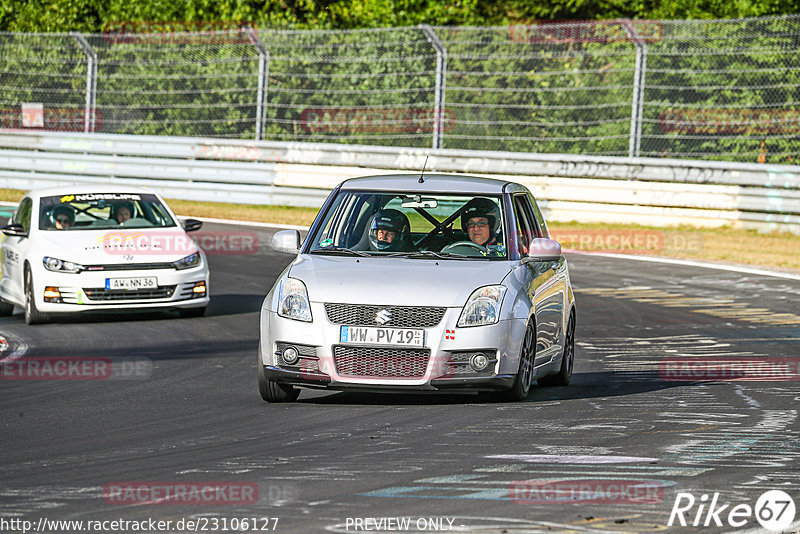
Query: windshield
x=93, y=211
x=412, y=224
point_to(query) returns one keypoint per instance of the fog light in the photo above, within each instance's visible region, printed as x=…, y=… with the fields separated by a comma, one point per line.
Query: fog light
x=290, y=356
x=52, y=294
x=199, y=289
x=479, y=361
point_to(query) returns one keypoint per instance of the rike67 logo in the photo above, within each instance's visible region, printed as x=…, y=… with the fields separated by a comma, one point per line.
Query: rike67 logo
x=774, y=510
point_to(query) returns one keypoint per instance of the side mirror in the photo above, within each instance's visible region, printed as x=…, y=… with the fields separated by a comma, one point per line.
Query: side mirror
x=542, y=249
x=15, y=230
x=190, y=225
x=286, y=241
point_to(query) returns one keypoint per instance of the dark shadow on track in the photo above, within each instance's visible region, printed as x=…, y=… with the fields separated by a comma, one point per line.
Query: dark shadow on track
x=584, y=386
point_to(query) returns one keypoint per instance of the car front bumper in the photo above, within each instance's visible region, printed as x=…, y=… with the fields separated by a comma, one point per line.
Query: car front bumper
x=85, y=291
x=445, y=368
x=321, y=381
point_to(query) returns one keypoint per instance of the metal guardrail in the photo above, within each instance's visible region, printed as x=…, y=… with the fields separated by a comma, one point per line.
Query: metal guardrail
x=587, y=189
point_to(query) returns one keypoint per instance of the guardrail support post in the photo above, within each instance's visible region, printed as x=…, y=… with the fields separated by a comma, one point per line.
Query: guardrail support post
x=263, y=82
x=440, y=84
x=637, y=102
x=91, y=81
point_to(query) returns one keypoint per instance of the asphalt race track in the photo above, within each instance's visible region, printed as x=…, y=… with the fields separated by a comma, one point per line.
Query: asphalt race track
x=640, y=424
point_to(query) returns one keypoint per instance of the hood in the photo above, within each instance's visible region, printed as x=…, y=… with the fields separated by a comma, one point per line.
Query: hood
x=395, y=281
x=92, y=247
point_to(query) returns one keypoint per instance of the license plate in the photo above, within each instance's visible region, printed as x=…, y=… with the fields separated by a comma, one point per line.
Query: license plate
x=375, y=335
x=145, y=282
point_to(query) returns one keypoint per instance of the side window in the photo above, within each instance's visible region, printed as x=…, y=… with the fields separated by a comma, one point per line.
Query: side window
x=23, y=214
x=543, y=230
x=526, y=225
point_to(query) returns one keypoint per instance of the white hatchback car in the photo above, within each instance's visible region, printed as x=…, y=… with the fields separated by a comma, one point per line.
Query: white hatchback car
x=90, y=248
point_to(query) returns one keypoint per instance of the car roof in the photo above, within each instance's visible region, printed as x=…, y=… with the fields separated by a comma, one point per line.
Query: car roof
x=433, y=183
x=84, y=189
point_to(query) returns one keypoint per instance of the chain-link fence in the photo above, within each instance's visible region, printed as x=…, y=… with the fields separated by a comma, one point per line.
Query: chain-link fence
x=725, y=89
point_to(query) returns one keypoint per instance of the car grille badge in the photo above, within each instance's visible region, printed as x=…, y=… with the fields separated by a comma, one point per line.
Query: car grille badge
x=383, y=316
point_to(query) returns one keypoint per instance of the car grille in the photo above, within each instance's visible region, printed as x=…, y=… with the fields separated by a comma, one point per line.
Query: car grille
x=99, y=293
x=129, y=266
x=402, y=316
x=380, y=362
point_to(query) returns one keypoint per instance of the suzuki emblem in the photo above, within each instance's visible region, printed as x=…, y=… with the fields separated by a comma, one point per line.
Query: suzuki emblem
x=383, y=316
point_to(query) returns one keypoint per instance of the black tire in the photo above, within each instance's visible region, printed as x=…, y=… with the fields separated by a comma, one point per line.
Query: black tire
x=272, y=391
x=32, y=315
x=192, y=312
x=522, y=384
x=6, y=309
x=564, y=374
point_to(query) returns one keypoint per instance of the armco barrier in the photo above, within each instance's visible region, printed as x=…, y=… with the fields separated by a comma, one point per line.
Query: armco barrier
x=587, y=189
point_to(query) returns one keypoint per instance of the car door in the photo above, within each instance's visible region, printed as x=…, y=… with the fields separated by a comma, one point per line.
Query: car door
x=546, y=285
x=13, y=252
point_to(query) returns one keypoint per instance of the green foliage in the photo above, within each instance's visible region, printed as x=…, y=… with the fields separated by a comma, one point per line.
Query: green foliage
x=92, y=15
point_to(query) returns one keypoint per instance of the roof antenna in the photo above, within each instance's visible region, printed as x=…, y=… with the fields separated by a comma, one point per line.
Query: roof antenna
x=421, y=179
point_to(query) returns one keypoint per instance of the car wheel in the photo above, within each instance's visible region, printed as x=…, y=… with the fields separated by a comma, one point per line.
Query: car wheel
x=6, y=309
x=522, y=384
x=564, y=374
x=32, y=315
x=193, y=312
x=272, y=391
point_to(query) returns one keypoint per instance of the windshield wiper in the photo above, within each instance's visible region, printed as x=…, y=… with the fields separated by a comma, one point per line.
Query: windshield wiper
x=340, y=251
x=431, y=254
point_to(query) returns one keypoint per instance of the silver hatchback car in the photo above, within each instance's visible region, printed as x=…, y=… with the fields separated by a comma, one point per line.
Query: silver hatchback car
x=419, y=283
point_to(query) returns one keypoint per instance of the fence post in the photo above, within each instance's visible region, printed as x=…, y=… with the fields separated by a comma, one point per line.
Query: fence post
x=440, y=84
x=263, y=82
x=637, y=102
x=91, y=82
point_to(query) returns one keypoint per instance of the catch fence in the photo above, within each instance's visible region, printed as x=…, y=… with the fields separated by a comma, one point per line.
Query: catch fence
x=703, y=89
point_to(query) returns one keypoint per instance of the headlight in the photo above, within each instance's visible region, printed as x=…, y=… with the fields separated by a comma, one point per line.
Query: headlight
x=192, y=260
x=293, y=300
x=61, y=266
x=483, y=306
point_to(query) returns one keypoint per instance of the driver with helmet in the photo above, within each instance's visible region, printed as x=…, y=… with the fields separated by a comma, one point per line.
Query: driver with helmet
x=62, y=217
x=389, y=231
x=480, y=220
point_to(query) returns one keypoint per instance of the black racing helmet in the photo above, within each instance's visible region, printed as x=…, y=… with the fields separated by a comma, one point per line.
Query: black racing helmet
x=60, y=211
x=393, y=221
x=482, y=207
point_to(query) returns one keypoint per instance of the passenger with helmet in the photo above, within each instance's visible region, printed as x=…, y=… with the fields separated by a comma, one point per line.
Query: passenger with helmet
x=389, y=231
x=481, y=222
x=123, y=212
x=62, y=217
